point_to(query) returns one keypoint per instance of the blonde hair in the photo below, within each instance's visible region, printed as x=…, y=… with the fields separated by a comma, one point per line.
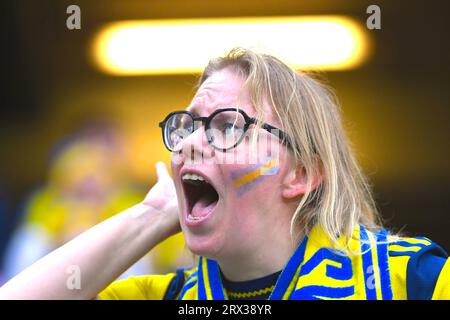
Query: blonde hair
x=309, y=113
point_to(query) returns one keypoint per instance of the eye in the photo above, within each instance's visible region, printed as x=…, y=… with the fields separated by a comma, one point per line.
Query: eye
x=177, y=136
x=229, y=128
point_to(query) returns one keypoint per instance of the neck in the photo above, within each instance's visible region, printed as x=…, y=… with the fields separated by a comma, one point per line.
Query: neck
x=268, y=254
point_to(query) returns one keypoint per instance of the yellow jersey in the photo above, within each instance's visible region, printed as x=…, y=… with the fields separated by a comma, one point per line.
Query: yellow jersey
x=381, y=267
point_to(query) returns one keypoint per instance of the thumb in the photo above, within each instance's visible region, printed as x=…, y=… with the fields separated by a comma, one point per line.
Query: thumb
x=161, y=171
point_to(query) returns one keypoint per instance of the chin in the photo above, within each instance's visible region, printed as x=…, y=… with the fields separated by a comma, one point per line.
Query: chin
x=203, y=245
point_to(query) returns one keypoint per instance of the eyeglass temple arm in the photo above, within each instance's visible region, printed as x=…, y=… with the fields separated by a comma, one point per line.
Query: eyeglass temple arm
x=279, y=134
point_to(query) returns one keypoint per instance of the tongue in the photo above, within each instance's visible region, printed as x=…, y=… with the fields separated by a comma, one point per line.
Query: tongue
x=203, y=207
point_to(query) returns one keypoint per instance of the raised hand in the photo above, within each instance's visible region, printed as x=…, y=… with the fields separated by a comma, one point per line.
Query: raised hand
x=162, y=196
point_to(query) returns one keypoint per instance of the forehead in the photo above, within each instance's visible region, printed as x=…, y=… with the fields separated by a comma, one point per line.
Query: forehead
x=223, y=89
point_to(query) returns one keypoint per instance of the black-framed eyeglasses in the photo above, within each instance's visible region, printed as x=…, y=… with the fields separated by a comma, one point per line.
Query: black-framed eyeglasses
x=224, y=128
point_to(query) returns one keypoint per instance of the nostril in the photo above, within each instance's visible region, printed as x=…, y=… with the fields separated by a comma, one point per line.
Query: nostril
x=192, y=152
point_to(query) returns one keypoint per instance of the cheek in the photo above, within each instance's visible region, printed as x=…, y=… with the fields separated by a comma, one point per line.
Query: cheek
x=246, y=179
x=178, y=187
x=246, y=220
x=176, y=160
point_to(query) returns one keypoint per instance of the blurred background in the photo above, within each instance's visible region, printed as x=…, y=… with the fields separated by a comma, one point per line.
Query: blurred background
x=79, y=127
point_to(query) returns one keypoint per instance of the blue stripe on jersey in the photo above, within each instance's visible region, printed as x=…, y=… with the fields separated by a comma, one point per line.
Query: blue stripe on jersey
x=371, y=293
x=423, y=271
x=186, y=288
x=317, y=292
x=393, y=253
x=175, y=285
x=201, y=281
x=214, y=280
x=408, y=244
x=386, y=290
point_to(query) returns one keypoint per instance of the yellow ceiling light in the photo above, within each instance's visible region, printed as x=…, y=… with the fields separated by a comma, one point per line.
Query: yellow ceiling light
x=185, y=46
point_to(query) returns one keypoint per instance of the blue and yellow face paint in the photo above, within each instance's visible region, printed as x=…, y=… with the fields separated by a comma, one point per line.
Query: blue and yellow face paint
x=245, y=179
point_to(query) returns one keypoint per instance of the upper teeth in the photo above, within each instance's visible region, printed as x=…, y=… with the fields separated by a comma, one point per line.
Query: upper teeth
x=192, y=176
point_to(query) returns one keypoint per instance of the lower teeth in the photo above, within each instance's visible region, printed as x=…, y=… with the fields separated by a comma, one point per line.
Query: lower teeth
x=191, y=217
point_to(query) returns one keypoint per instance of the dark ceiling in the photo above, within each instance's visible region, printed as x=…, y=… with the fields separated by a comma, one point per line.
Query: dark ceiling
x=38, y=50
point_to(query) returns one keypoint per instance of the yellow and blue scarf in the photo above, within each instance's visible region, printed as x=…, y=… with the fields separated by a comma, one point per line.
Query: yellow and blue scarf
x=314, y=271
x=381, y=267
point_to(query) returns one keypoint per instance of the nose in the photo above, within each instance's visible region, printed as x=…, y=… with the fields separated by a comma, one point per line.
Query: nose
x=195, y=148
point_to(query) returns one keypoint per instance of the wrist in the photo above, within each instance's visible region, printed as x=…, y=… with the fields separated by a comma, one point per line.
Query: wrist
x=153, y=223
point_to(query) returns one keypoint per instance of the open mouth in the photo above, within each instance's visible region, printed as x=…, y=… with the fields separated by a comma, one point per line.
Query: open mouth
x=201, y=196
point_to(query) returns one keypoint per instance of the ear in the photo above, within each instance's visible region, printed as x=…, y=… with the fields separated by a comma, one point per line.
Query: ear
x=295, y=182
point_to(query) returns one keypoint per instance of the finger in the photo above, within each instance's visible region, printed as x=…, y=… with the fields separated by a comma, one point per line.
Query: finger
x=161, y=171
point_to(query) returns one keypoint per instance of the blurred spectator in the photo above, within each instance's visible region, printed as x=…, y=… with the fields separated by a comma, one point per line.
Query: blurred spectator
x=87, y=183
